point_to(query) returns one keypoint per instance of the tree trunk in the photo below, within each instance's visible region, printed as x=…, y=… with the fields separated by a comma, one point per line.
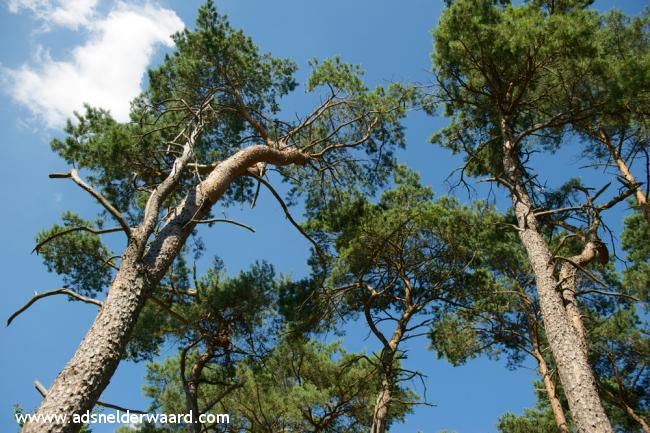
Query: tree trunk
x=551, y=392
x=568, y=278
x=382, y=404
x=572, y=363
x=387, y=377
x=568, y=275
x=191, y=385
x=80, y=384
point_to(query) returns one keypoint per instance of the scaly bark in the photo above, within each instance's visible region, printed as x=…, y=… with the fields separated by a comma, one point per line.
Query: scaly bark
x=82, y=380
x=543, y=370
x=568, y=279
x=574, y=370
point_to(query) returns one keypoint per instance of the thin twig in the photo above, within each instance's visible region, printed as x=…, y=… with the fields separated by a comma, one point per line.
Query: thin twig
x=285, y=208
x=603, y=292
x=169, y=310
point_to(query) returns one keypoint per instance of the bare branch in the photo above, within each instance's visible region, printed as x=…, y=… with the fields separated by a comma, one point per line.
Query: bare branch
x=285, y=208
x=76, y=229
x=61, y=291
x=224, y=220
x=603, y=292
x=74, y=175
x=583, y=269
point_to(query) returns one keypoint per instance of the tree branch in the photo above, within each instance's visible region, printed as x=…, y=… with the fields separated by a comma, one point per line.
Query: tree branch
x=223, y=220
x=285, y=208
x=583, y=269
x=100, y=198
x=76, y=229
x=603, y=292
x=61, y=291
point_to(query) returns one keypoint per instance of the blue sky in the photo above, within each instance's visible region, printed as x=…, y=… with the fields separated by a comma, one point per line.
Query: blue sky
x=56, y=54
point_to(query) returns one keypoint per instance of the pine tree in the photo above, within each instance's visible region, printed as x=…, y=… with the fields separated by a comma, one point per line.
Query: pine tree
x=203, y=134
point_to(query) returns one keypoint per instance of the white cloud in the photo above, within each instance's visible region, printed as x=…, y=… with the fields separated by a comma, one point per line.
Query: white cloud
x=64, y=13
x=106, y=71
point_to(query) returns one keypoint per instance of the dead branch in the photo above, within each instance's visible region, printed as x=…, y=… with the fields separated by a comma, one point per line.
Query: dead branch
x=74, y=175
x=61, y=291
x=583, y=269
x=76, y=229
x=285, y=208
x=223, y=220
x=606, y=293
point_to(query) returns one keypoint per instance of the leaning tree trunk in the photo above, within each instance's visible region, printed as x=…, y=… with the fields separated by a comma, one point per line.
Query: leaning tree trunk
x=575, y=372
x=568, y=274
x=191, y=385
x=79, y=385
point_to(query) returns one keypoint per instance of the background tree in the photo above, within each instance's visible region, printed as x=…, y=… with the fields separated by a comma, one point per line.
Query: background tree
x=503, y=322
x=300, y=385
x=398, y=263
x=510, y=93
x=617, y=135
x=204, y=132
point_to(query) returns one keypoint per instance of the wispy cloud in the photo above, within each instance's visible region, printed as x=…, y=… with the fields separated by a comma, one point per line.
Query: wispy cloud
x=64, y=13
x=105, y=71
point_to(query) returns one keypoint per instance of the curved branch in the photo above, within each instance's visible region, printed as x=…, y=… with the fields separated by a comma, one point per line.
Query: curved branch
x=224, y=220
x=285, y=208
x=61, y=291
x=606, y=293
x=76, y=229
x=74, y=175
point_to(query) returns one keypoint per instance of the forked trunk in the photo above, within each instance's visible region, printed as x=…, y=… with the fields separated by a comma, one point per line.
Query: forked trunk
x=575, y=372
x=80, y=384
x=380, y=415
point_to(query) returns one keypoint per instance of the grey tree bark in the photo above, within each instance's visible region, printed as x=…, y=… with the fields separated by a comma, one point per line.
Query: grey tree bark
x=574, y=370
